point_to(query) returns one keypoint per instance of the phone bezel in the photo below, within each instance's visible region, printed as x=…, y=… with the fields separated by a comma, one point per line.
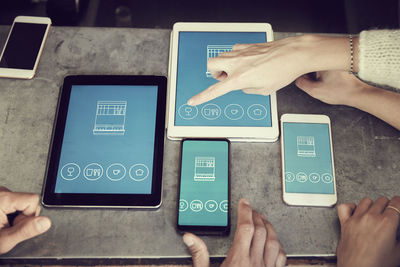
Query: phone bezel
x=307, y=199
x=201, y=229
x=233, y=133
x=25, y=73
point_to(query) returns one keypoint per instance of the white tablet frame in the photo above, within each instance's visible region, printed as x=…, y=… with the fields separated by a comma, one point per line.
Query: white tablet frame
x=243, y=134
x=26, y=73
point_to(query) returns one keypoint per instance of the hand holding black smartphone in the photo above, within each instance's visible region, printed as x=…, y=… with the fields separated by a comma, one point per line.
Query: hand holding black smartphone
x=204, y=189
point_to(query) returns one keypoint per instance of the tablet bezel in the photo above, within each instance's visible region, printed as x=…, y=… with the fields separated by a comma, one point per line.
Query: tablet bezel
x=233, y=133
x=153, y=200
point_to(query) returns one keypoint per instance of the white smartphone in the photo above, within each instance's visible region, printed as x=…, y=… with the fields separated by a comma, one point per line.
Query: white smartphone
x=308, y=172
x=20, y=55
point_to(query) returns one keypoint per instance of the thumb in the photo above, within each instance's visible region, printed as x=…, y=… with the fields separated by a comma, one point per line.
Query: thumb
x=25, y=229
x=198, y=249
x=345, y=211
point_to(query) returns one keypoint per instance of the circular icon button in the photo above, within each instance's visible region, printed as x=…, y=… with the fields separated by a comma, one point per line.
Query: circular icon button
x=187, y=112
x=196, y=205
x=314, y=177
x=326, y=178
x=289, y=177
x=223, y=206
x=183, y=205
x=70, y=171
x=211, y=111
x=301, y=177
x=211, y=205
x=116, y=172
x=234, y=111
x=138, y=172
x=257, y=112
x=93, y=171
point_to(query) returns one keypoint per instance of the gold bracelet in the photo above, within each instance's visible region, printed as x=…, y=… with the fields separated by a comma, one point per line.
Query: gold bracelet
x=393, y=208
x=351, y=54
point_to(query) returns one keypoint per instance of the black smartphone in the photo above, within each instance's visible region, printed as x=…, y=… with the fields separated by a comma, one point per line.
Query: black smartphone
x=204, y=188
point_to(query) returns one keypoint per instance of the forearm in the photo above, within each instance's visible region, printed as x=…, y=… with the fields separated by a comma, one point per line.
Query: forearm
x=376, y=55
x=328, y=53
x=381, y=103
x=333, y=53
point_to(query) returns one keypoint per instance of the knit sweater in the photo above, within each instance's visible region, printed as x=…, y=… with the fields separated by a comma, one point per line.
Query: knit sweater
x=379, y=57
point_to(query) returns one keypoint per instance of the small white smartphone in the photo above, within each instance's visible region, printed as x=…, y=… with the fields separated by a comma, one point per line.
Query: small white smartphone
x=308, y=172
x=25, y=42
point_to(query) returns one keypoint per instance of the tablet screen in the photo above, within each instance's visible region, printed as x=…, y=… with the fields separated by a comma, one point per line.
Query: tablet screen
x=233, y=109
x=108, y=143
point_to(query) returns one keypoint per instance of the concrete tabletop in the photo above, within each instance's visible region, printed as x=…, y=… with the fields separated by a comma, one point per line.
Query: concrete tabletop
x=366, y=152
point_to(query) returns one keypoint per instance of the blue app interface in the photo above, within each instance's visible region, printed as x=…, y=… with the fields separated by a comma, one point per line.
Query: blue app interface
x=204, y=184
x=308, y=162
x=233, y=109
x=108, y=143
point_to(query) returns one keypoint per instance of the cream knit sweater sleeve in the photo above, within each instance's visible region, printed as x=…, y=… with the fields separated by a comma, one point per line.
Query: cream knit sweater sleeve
x=379, y=57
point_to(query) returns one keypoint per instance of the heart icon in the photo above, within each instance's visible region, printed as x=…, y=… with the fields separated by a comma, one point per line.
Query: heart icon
x=116, y=172
x=234, y=111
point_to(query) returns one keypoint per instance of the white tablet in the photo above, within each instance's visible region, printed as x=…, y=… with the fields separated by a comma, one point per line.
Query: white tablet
x=236, y=115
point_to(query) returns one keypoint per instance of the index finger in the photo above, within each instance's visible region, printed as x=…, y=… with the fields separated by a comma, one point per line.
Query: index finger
x=229, y=84
x=26, y=203
x=237, y=47
x=345, y=211
x=272, y=245
x=244, y=229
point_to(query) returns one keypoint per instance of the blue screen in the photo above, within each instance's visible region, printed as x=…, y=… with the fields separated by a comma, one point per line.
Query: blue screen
x=308, y=160
x=233, y=109
x=108, y=143
x=204, y=183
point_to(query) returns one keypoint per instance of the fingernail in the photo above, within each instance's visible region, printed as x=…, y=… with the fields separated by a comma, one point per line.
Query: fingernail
x=188, y=240
x=43, y=224
x=190, y=102
x=245, y=201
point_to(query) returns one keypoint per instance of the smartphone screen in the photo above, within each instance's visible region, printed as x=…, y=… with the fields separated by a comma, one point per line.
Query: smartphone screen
x=308, y=161
x=23, y=46
x=204, y=187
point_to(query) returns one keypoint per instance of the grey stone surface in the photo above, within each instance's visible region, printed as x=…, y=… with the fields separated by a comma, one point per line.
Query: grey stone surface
x=366, y=151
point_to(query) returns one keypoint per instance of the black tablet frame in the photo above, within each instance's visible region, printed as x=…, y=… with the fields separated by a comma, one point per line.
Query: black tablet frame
x=153, y=200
